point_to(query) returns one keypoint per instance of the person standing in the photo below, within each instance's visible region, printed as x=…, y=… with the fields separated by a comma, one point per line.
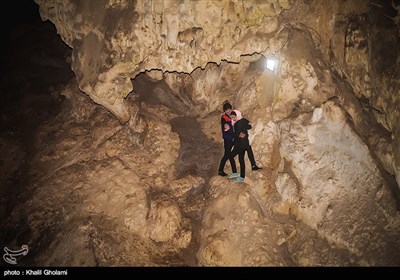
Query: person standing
x=227, y=135
x=241, y=144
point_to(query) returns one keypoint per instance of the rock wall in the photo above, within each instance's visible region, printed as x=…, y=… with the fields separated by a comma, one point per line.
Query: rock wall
x=325, y=129
x=114, y=41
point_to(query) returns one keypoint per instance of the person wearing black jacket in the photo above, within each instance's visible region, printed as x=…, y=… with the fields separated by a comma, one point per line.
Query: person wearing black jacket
x=242, y=144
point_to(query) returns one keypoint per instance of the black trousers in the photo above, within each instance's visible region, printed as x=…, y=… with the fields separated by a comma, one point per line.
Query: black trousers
x=250, y=154
x=227, y=155
x=240, y=152
x=240, y=149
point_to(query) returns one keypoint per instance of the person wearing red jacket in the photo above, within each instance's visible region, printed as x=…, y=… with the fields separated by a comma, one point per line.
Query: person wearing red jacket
x=226, y=127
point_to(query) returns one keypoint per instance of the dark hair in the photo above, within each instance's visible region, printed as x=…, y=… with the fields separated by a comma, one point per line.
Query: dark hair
x=227, y=105
x=233, y=113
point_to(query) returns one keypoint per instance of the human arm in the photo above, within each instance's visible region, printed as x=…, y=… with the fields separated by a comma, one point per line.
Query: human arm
x=226, y=127
x=241, y=128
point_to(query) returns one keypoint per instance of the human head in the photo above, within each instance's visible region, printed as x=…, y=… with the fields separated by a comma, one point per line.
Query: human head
x=236, y=115
x=233, y=115
x=227, y=107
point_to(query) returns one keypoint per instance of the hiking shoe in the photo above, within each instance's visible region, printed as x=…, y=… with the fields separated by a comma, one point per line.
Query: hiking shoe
x=233, y=175
x=222, y=173
x=255, y=168
x=239, y=179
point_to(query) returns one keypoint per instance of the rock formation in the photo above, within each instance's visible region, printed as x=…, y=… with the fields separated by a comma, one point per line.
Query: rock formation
x=144, y=190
